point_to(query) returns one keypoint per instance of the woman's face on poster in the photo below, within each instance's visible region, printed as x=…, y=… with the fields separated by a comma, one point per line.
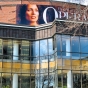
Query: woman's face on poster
x=32, y=13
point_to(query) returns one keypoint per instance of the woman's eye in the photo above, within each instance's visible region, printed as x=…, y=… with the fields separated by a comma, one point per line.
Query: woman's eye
x=36, y=10
x=29, y=9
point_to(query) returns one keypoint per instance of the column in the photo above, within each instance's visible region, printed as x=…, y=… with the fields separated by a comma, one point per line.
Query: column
x=15, y=51
x=68, y=49
x=15, y=81
x=69, y=79
x=69, y=74
x=56, y=80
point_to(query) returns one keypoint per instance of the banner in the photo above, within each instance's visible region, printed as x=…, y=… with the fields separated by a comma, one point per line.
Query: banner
x=34, y=15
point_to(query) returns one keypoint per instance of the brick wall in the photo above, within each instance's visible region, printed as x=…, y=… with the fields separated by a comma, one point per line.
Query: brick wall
x=8, y=14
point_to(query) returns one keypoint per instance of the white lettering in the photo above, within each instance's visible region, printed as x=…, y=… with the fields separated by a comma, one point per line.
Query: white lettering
x=65, y=14
x=44, y=13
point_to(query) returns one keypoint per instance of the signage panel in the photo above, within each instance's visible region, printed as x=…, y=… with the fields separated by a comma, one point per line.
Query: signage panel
x=35, y=15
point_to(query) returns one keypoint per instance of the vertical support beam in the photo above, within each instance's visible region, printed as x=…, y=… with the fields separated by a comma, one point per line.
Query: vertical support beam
x=68, y=49
x=69, y=74
x=15, y=81
x=69, y=79
x=15, y=51
x=56, y=80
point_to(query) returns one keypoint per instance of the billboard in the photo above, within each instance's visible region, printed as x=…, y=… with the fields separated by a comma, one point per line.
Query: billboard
x=34, y=15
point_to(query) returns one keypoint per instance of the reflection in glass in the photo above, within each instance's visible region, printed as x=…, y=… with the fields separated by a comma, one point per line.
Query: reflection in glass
x=7, y=49
x=25, y=81
x=83, y=44
x=84, y=79
x=6, y=80
x=33, y=81
x=75, y=46
x=59, y=78
x=25, y=50
x=76, y=79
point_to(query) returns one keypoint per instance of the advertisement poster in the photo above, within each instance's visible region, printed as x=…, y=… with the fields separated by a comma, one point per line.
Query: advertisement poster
x=34, y=15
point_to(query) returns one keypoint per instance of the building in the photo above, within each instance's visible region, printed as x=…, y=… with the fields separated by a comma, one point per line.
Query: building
x=52, y=55
x=48, y=59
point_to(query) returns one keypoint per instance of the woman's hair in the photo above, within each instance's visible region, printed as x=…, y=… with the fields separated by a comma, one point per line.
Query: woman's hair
x=21, y=17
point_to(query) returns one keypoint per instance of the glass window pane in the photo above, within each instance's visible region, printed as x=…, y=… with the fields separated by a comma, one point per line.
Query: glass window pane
x=66, y=43
x=75, y=46
x=16, y=49
x=52, y=66
x=75, y=55
x=84, y=44
x=33, y=81
x=51, y=80
x=59, y=79
x=36, y=48
x=43, y=47
x=59, y=54
x=58, y=42
x=50, y=46
x=84, y=79
x=76, y=62
x=84, y=60
x=59, y=63
x=25, y=81
x=66, y=64
x=7, y=49
x=6, y=80
x=1, y=48
x=65, y=78
x=25, y=50
x=76, y=79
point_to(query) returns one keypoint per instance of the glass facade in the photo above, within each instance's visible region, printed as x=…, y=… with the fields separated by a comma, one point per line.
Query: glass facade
x=25, y=63
x=72, y=66
x=49, y=58
x=57, y=62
